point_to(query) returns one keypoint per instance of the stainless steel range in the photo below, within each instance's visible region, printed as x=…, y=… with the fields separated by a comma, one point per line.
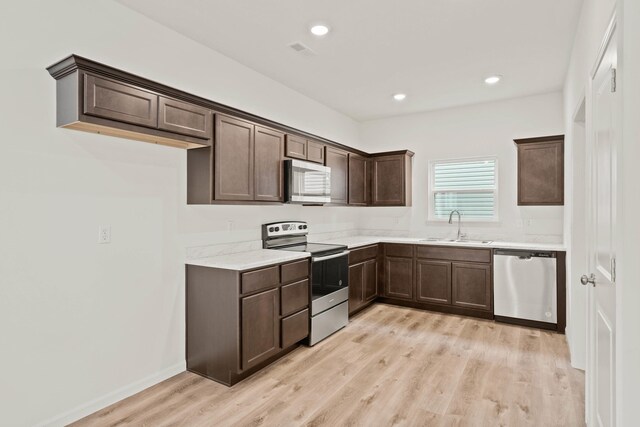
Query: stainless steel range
x=329, y=275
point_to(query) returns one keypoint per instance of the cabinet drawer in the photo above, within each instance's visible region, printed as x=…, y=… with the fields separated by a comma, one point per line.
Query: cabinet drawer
x=295, y=271
x=294, y=297
x=396, y=249
x=295, y=328
x=117, y=101
x=260, y=279
x=361, y=254
x=454, y=254
x=186, y=119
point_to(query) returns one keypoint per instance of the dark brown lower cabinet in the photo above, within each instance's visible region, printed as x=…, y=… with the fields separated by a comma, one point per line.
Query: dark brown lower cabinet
x=370, y=287
x=240, y=321
x=433, y=281
x=472, y=286
x=363, y=284
x=398, y=277
x=440, y=278
x=260, y=327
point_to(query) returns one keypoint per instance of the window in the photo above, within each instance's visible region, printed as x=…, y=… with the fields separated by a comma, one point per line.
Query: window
x=470, y=186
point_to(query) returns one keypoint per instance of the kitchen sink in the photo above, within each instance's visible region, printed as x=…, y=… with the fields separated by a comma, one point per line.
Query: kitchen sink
x=437, y=240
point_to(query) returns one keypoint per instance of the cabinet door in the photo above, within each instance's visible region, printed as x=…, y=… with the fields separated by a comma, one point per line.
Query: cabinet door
x=260, y=327
x=233, y=175
x=268, y=170
x=471, y=285
x=338, y=161
x=389, y=181
x=356, y=286
x=118, y=101
x=370, y=285
x=398, y=274
x=541, y=172
x=433, y=281
x=359, y=190
x=184, y=118
x=296, y=147
x=315, y=152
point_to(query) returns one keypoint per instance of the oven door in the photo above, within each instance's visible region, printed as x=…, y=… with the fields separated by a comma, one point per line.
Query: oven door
x=329, y=281
x=307, y=182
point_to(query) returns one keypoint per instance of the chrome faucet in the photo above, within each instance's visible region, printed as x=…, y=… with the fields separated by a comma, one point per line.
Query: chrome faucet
x=451, y=222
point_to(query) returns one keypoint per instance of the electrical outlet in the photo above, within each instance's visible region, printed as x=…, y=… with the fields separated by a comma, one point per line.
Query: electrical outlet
x=104, y=234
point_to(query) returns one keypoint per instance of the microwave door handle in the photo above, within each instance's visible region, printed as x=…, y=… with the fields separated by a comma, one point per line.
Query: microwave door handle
x=324, y=258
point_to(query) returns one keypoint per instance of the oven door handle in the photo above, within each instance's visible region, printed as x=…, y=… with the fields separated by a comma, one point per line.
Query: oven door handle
x=324, y=258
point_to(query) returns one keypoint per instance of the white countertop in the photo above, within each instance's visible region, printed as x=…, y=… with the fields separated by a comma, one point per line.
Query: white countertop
x=263, y=257
x=248, y=260
x=358, y=241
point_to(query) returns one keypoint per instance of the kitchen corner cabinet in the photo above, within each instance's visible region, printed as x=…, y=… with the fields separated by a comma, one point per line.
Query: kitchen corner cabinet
x=541, y=171
x=240, y=321
x=338, y=161
x=391, y=179
x=359, y=180
x=398, y=271
x=363, y=277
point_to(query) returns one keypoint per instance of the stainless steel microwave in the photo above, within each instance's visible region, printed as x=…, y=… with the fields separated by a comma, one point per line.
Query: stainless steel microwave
x=306, y=182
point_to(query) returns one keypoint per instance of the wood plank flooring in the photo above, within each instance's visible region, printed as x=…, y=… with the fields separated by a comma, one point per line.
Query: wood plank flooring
x=391, y=366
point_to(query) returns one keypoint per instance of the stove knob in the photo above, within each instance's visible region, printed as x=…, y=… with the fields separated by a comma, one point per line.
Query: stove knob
x=271, y=229
x=299, y=227
x=304, y=226
x=277, y=228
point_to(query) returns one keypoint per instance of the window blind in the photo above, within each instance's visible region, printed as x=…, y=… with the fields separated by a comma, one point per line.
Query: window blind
x=468, y=186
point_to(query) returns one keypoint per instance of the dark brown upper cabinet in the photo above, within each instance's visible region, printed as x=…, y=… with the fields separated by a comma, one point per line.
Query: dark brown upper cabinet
x=296, y=147
x=541, y=171
x=304, y=149
x=391, y=179
x=359, y=180
x=118, y=101
x=93, y=97
x=234, y=159
x=338, y=161
x=184, y=118
x=268, y=170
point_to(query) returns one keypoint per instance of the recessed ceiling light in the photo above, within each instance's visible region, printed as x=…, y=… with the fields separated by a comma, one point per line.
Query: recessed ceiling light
x=399, y=96
x=491, y=80
x=319, y=30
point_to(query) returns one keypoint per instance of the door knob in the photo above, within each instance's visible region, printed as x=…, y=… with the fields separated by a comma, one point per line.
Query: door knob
x=585, y=280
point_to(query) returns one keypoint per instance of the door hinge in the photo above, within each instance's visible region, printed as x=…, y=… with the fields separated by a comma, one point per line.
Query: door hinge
x=613, y=270
x=613, y=80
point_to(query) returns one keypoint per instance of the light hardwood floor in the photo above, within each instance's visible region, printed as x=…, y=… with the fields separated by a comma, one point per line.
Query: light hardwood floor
x=390, y=366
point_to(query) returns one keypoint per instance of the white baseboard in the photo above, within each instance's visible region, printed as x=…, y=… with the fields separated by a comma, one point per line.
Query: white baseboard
x=113, y=397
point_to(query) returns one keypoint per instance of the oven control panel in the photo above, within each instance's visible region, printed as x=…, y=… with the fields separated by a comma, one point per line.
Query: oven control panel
x=277, y=229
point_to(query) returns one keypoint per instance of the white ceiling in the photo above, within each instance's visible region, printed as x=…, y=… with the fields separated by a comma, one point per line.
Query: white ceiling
x=436, y=51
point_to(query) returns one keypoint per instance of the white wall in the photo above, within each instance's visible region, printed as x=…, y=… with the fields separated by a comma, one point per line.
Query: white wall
x=82, y=323
x=478, y=130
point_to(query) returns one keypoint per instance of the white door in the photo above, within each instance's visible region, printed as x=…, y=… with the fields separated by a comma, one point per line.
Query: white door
x=601, y=246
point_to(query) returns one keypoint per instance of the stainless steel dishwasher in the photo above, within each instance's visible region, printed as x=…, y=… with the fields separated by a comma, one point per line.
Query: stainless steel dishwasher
x=524, y=286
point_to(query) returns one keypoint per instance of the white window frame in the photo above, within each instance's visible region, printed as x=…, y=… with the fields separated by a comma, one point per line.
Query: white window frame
x=431, y=189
